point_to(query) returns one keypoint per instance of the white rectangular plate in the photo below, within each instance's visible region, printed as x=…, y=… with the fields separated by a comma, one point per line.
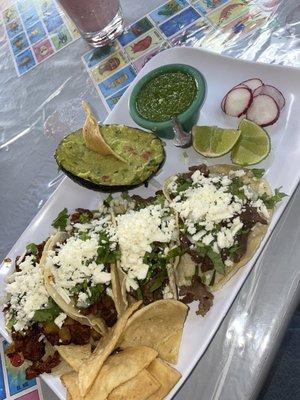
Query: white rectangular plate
x=282, y=166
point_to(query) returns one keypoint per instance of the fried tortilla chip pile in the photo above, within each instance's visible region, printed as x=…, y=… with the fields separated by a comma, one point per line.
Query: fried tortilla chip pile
x=130, y=361
x=92, y=135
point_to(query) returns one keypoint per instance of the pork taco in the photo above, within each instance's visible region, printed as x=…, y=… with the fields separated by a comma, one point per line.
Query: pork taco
x=224, y=213
x=147, y=234
x=79, y=267
x=36, y=323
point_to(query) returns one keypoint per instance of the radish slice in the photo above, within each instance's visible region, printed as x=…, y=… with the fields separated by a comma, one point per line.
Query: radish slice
x=252, y=83
x=273, y=92
x=223, y=103
x=240, y=86
x=263, y=111
x=237, y=101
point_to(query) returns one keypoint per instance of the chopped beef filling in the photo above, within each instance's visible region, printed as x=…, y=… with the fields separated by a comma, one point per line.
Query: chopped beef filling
x=39, y=367
x=71, y=332
x=40, y=248
x=38, y=256
x=29, y=345
x=141, y=202
x=80, y=333
x=242, y=244
x=146, y=291
x=105, y=307
x=205, y=262
x=203, y=168
x=75, y=217
x=197, y=291
x=250, y=216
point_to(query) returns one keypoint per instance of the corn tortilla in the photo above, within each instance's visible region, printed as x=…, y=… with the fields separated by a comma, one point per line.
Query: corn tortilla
x=104, y=348
x=158, y=325
x=141, y=387
x=74, y=354
x=185, y=267
x=165, y=375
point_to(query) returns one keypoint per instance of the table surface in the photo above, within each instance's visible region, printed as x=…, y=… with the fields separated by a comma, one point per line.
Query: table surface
x=39, y=108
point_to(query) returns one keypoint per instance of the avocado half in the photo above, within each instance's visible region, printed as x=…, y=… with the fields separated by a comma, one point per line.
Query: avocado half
x=143, y=151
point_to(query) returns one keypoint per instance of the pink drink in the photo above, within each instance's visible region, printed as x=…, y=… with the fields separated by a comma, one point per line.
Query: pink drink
x=99, y=21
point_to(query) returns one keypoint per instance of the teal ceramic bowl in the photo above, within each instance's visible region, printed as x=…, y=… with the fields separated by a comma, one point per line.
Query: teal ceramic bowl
x=187, y=119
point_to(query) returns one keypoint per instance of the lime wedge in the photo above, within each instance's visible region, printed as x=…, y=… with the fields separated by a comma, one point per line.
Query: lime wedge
x=253, y=146
x=211, y=141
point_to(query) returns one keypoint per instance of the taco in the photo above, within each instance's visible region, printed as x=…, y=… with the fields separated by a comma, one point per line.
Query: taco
x=36, y=323
x=79, y=267
x=224, y=213
x=147, y=232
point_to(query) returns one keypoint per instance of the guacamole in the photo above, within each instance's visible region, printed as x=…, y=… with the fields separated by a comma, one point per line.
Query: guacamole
x=166, y=96
x=143, y=153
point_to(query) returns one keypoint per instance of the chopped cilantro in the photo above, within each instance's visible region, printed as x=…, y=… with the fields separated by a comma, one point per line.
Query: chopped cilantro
x=233, y=250
x=105, y=254
x=258, y=172
x=60, y=221
x=216, y=258
x=84, y=218
x=235, y=188
x=11, y=323
x=159, y=280
x=182, y=187
x=176, y=252
x=107, y=201
x=47, y=314
x=125, y=196
x=217, y=261
x=271, y=201
x=201, y=249
x=159, y=199
x=80, y=287
x=32, y=249
x=84, y=236
x=139, y=294
x=95, y=293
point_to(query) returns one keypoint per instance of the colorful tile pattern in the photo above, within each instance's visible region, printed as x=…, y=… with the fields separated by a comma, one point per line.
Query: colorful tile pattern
x=13, y=384
x=36, y=29
x=208, y=23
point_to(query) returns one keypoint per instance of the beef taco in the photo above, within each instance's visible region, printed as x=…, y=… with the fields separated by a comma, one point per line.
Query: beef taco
x=36, y=323
x=79, y=267
x=224, y=213
x=147, y=233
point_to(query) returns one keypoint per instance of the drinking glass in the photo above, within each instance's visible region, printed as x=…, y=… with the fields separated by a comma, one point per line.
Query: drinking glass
x=98, y=21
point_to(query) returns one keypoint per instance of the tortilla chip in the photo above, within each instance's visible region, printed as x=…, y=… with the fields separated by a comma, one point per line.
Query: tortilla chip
x=165, y=375
x=74, y=354
x=70, y=381
x=104, y=348
x=159, y=326
x=140, y=387
x=69, y=397
x=117, y=369
x=92, y=135
x=120, y=368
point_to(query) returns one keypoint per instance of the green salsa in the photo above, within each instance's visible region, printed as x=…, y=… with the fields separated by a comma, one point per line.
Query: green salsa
x=166, y=96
